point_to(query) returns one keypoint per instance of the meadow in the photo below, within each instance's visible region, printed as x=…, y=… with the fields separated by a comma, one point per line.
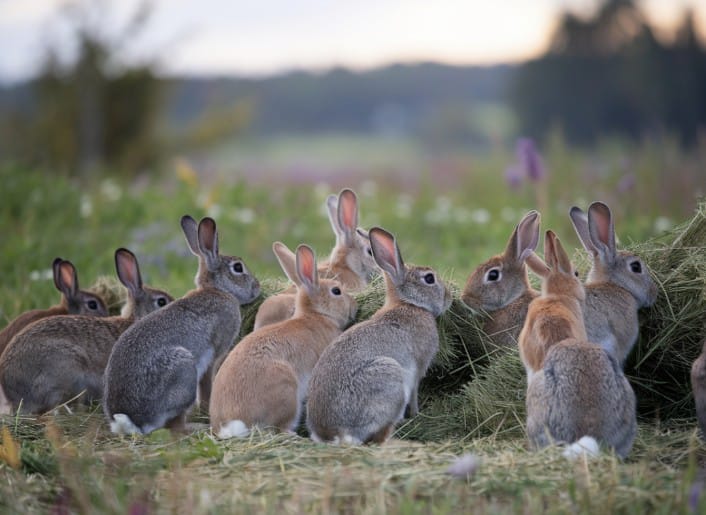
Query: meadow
x=451, y=210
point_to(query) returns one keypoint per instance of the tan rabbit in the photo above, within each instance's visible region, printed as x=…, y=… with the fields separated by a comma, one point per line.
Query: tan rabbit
x=557, y=314
x=500, y=286
x=264, y=380
x=159, y=363
x=577, y=393
x=55, y=359
x=698, y=386
x=351, y=261
x=365, y=379
x=617, y=285
x=74, y=301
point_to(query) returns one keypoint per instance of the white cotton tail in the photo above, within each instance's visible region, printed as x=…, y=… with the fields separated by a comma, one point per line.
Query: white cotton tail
x=586, y=445
x=122, y=425
x=233, y=429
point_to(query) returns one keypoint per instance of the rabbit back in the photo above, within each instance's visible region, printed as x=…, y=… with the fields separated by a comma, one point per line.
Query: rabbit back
x=166, y=353
x=365, y=379
x=54, y=359
x=581, y=391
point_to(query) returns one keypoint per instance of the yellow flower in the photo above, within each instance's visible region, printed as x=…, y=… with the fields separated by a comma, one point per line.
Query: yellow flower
x=186, y=173
x=9, y=450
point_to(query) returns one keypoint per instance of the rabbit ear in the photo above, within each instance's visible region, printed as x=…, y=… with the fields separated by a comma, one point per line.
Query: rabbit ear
x=363, y=233
x=287, y=260
x=554, y=253
x=537, y=265
x=128, y=271
x=190, y=228
x=387, y=254
x=332, y=210
x=347, y=215
x=306, y=268
x=208, y=242
x=524, y=238
x=579, y=220
x=602, y=231
x=65, y=277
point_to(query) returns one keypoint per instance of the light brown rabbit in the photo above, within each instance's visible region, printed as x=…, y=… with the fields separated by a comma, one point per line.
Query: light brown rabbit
x=500, y=286
x=617, y=286
x=56, y=358
x=577, y=393
x=698, y=386
x=351, y=261
x=74, y=301
x=557, y=314
x=365, y=379
x=264, y=380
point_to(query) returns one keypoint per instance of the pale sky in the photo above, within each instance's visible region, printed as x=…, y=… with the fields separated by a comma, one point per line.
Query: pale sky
x=257, y=37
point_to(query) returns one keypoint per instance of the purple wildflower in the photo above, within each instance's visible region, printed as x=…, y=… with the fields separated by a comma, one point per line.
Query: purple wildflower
x=529, y=159
x=513, y=176
x=626, y=183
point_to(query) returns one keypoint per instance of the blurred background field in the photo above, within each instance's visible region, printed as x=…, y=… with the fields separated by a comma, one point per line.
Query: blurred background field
x=123, y=116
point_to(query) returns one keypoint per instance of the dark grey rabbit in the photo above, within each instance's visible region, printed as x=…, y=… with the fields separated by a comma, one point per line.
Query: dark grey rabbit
x=158, y=364
x=54, y=359
x=365, y=379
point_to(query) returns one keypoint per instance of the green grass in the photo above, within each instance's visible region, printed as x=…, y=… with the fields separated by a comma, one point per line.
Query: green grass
x=452, y=213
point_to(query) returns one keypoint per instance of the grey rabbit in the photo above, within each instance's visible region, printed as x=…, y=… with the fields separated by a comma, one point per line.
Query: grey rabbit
x=54, y=359
x=158, y=365
x=365, y=379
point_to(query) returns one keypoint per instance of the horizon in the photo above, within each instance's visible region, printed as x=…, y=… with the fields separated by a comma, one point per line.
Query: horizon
x=227, y=39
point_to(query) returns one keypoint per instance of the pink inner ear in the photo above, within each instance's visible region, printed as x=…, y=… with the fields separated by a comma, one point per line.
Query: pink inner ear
x=67, y=275
x=307, y=268
x=128, y=270
x=390, y=251
x=348, y=209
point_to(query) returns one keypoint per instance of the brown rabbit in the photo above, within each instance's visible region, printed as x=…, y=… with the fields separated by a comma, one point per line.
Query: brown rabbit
x=351, y=261
x=698, y=385
x=558, y=313
x=500, y=286
x=55, y=359
x=74, y=301
x=264, y=380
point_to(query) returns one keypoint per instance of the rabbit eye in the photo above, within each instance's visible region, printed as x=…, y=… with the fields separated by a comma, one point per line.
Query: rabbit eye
x=336, y=290
x=429, y=278
x=636, y=267
x=238, y=267
x=370, y=251
x=493, y=275
x=92, y=304
x=161, y=302
x=576, y=273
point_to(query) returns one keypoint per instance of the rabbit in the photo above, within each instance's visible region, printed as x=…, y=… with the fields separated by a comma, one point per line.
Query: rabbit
x=159, y=363
x=617, y=285
x=577, y=393
x=264, y=379
x=557, y=314
x=365, y=379
x=698, y=385
x=74, y=301
x=500, y=286
x=351, y=261
x=56, y=358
